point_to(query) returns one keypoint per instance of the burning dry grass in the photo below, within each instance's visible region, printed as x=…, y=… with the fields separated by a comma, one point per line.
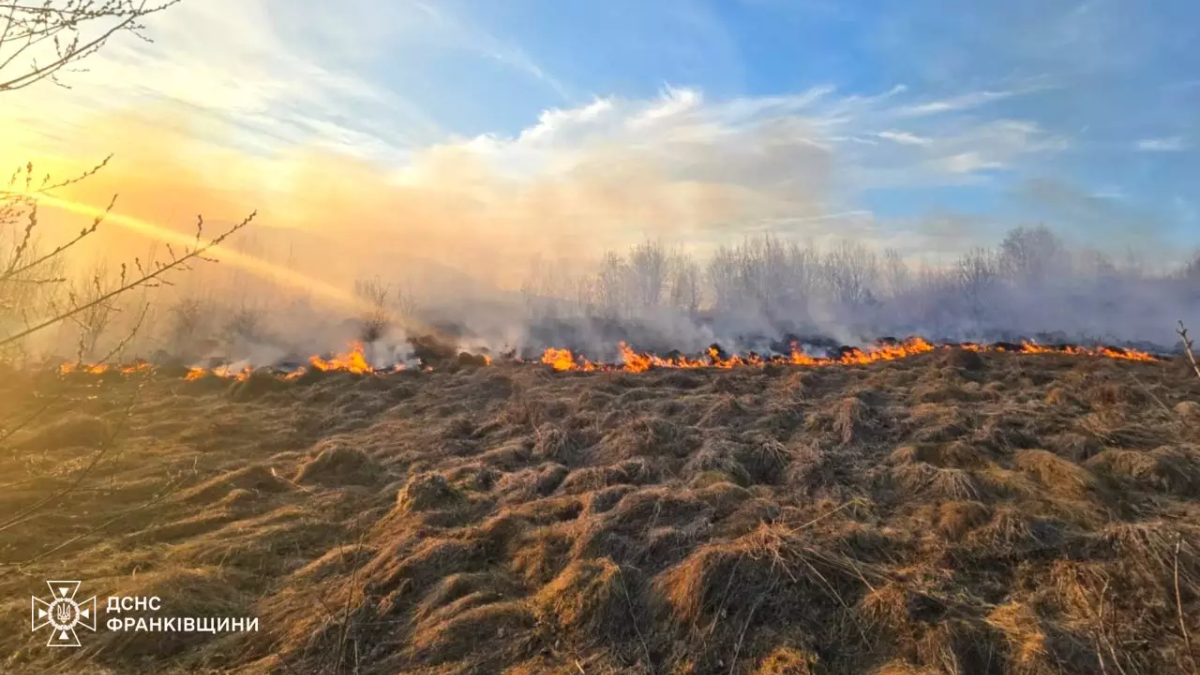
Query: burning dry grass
x=963, y=511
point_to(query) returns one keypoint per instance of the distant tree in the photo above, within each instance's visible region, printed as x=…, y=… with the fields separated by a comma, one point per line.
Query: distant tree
x=978, y=274
x=685, y=290
x=1032, y=255
x=610, y=288
x=1191, y=270
x=894, y=275
x=851, y=271
x=648, y=272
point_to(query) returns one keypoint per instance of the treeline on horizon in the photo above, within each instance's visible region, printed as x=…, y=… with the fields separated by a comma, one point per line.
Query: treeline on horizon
x=744, y=295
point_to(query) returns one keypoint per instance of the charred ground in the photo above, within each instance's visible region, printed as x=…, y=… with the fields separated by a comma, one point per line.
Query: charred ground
x=950, y=512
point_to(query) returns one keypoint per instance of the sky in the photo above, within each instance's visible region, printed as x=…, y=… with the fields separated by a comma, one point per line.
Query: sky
x=925, y=125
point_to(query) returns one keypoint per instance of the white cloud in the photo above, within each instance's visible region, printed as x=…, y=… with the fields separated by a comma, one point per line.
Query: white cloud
x=903, y=138
x=966, y=162
x=1172, y=144
x=955, y=104
x=795, y=162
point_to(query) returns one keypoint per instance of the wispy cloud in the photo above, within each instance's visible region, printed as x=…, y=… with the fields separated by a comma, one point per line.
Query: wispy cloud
x=1170, y=144
x=955, y=104
x=966, y=163
x=904, y=138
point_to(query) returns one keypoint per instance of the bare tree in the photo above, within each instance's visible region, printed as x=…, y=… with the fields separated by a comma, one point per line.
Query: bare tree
x=978, y=277
x=851, y=271
x=895, y=276
x=610, y=287
x=685, y=284
x=648, y=271
x=1032, y=255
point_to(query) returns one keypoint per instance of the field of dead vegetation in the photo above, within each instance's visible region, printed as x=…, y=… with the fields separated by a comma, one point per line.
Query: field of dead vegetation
x=953, y=512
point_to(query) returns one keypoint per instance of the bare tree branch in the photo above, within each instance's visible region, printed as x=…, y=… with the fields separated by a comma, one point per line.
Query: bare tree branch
x=62, y=33
x=1187, y=347
x=145, y=276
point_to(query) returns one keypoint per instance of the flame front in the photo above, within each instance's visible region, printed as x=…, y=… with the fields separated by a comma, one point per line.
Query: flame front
x=639, y=362
x=633, y=361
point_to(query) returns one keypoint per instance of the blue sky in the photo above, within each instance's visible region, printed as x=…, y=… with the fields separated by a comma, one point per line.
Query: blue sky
x=930, y=122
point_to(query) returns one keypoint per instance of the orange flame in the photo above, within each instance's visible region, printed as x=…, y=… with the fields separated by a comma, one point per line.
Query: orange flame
x=563, y=359
x=90, y=369
x=229, y=373
x=137, y=367
x=352, y=361
x=101, y=368
x=1123, y=354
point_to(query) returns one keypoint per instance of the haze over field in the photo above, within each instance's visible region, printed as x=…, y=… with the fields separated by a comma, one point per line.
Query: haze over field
x=480, y=163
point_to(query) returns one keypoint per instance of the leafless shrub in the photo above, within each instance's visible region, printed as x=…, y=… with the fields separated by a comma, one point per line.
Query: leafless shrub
x=246, y=324
x=375, y=320
x=189, y=324
x=92, y=323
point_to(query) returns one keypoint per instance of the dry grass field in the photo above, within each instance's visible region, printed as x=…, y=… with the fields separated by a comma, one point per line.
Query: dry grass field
x=953, y=512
